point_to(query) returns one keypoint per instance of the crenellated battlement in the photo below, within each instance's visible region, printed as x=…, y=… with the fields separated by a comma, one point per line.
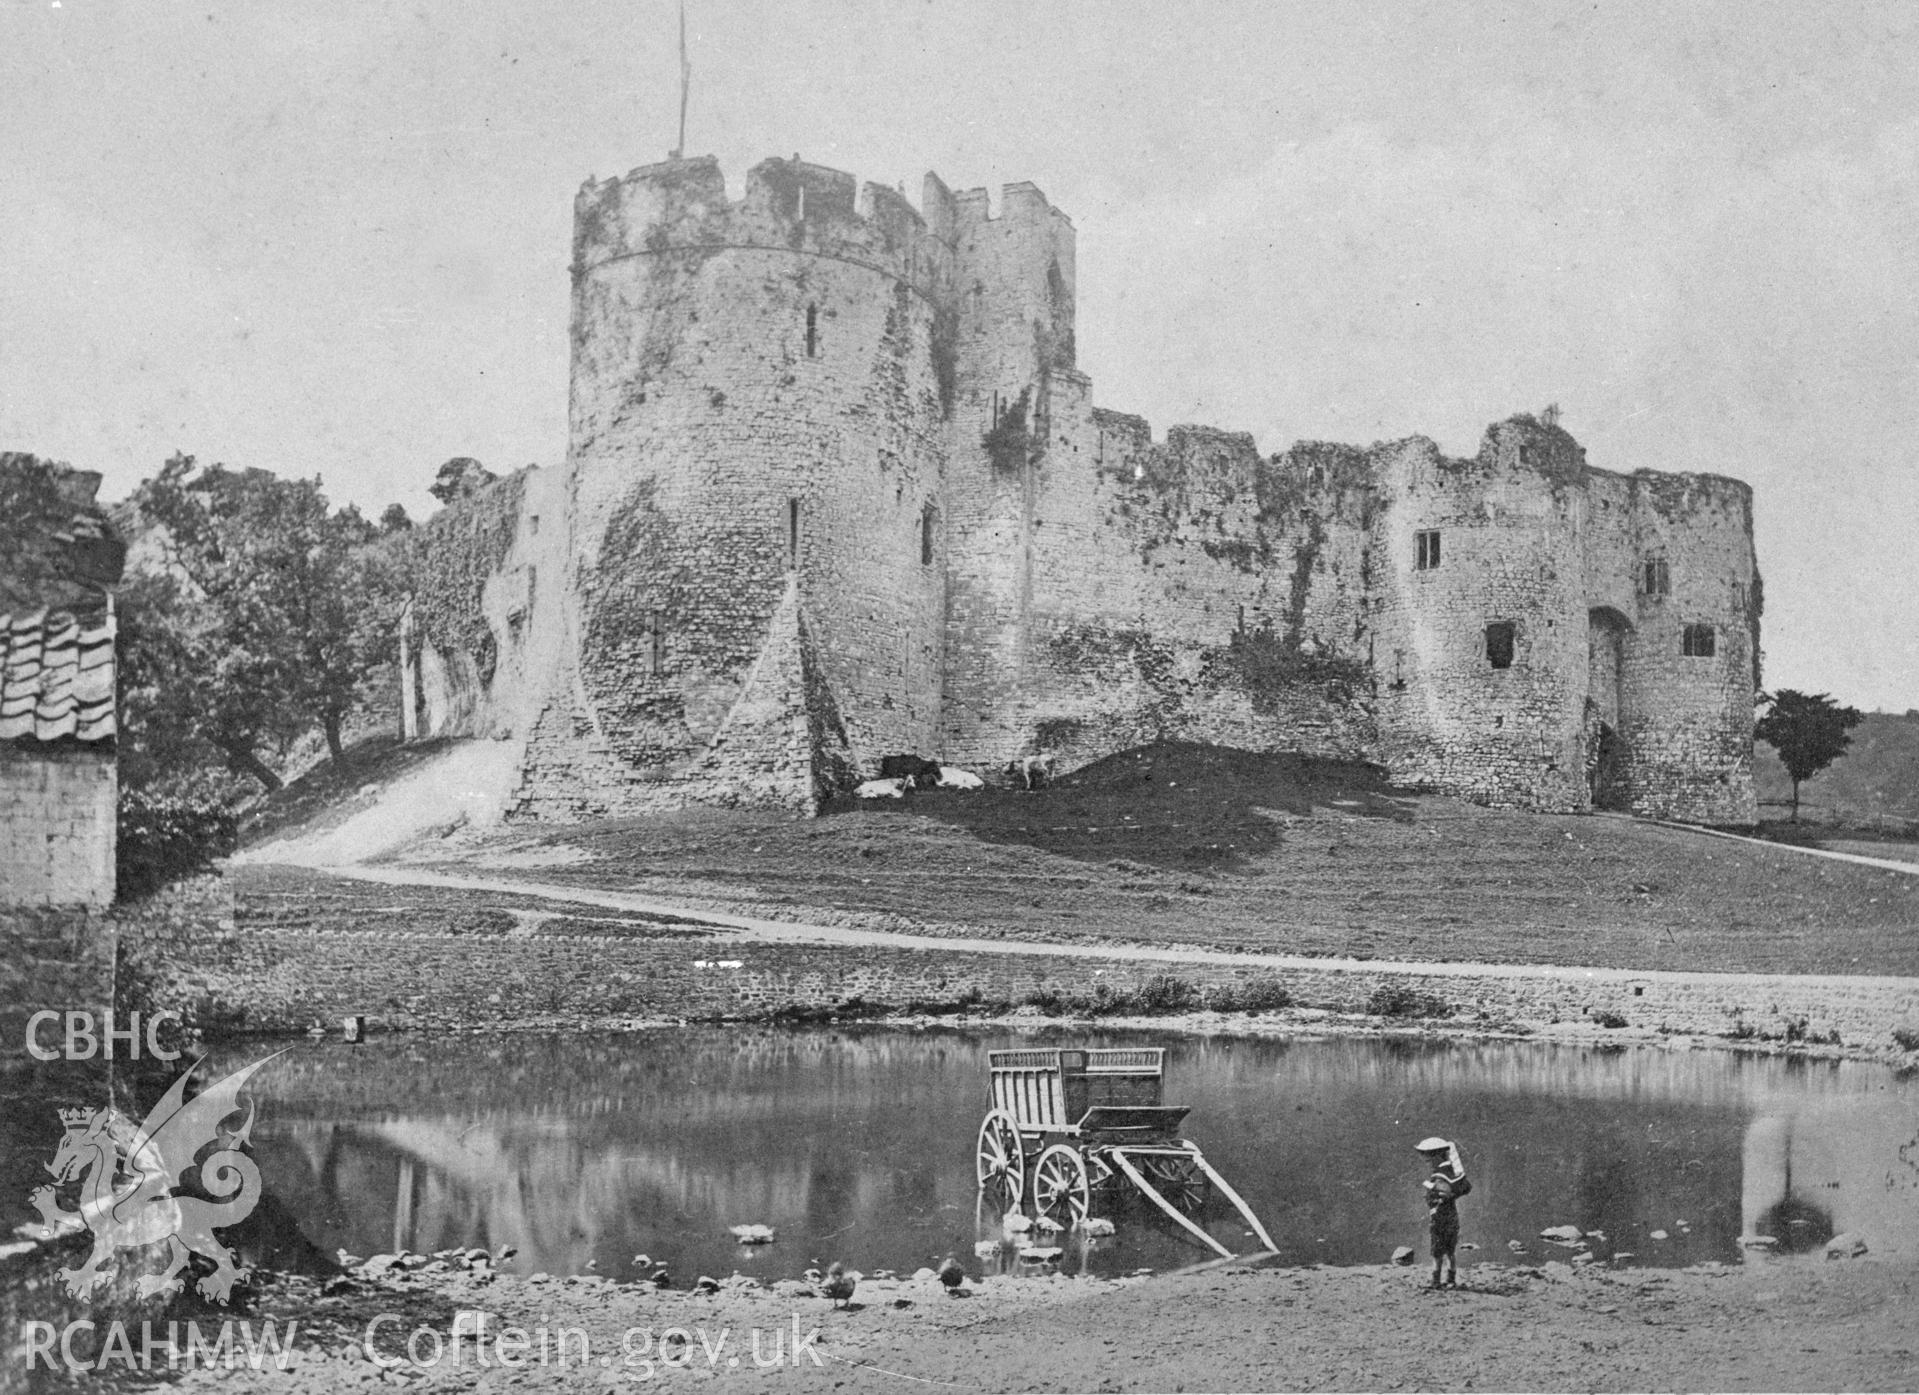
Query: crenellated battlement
x=1020, y=202
x=789, y=206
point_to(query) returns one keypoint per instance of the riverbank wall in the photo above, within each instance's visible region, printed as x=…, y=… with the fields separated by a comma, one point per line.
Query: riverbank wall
x=227, y=975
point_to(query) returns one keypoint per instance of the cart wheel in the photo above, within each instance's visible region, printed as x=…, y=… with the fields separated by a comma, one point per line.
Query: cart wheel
x=1001, y=1161
x=1060, y=1188
x=1177, y=1179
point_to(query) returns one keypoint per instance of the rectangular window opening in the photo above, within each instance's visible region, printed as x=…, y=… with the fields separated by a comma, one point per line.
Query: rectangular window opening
x=792, y=533
x=1500, y=636
x=812, y=330
x=1699, y=641
x=926, y=536
x=1658, y=579
x=1428, y=549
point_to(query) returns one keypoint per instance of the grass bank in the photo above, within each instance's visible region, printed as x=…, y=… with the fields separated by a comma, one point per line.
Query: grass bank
x=1194, y=846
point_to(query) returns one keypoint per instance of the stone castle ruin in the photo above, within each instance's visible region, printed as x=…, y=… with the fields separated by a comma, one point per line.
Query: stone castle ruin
x=836, y=489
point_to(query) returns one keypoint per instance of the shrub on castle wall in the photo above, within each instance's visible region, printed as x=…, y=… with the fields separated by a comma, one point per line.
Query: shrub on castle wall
x=646, y=577
x=1084, y=648
x=1059, y=733
x=943, y=343
x=1009, y=445
x=448, y=560
x=1272, y=668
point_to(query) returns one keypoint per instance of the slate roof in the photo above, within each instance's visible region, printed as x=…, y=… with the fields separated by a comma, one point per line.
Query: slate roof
x=56, y=678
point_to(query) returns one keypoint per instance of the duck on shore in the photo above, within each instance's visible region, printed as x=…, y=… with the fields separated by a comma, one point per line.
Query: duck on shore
x=839, y=1283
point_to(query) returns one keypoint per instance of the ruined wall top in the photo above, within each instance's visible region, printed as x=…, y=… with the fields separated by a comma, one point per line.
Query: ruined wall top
x=1519, y=447
x=789, y=206
x=793, y=205
x=1020, y=203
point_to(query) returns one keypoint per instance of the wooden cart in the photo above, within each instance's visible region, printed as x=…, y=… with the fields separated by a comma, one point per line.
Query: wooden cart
x=1068, y=1124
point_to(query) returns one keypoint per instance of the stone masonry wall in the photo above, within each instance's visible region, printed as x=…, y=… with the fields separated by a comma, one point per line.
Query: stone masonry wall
x=52, y=960
x=285, y=980
x=1195, y=591
x=69, y=959
x=57, y=826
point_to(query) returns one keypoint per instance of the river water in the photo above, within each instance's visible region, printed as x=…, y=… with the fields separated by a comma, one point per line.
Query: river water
x=856, y=1144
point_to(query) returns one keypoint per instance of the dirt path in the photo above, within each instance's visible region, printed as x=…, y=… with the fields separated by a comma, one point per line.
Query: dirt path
x=1890, y=864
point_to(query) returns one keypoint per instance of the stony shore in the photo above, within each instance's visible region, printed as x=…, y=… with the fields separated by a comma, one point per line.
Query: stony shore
x=1291, y=1024
x=1771, y=1324
x=1312, y=1024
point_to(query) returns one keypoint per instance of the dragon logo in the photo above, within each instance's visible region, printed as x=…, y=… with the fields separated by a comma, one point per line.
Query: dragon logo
x=131, y=1177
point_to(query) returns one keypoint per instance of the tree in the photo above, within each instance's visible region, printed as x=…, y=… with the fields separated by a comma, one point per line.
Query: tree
x=193, y=695
x=1809, y=730
x=460, y=477
x=395, y=519
x=300, y=611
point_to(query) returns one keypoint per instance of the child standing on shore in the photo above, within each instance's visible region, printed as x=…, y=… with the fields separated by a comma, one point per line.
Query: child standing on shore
x=1445, y=1183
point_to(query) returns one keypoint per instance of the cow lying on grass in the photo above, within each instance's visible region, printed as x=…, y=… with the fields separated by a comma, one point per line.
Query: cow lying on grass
x=901, y=774
x=923, y=773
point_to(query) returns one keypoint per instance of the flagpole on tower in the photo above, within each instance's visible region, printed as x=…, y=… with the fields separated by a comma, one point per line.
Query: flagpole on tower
x=686, y=78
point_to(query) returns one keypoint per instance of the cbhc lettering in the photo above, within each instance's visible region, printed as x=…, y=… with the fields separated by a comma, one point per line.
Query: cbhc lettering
x=82, y=1042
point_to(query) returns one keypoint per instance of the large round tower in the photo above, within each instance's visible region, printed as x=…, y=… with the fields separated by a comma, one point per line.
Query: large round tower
x=754, y=467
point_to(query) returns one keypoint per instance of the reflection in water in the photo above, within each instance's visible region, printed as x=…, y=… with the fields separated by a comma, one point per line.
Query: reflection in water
x=1830, y=1166
x=858, y=1145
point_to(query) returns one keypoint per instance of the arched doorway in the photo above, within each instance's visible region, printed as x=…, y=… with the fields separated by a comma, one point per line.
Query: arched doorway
x=1608, y=762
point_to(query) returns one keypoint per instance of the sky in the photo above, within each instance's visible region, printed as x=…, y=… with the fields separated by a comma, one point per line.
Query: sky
x=332, y=238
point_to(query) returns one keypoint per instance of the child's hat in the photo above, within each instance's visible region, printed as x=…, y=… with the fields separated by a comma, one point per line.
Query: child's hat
x=1431, y=1145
